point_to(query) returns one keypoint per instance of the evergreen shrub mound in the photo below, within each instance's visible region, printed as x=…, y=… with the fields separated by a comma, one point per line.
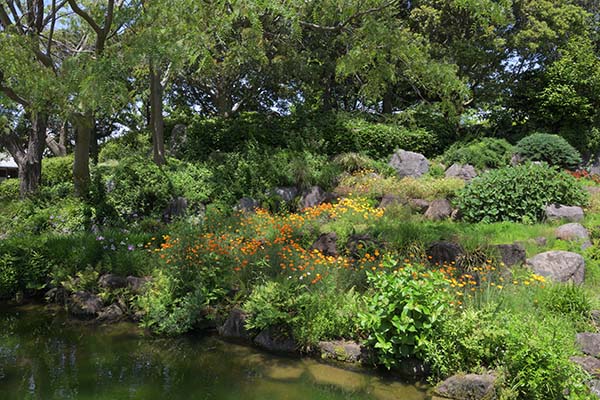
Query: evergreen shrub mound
x=486, y=153
x=552, y=149
x=518, y=193
x=57, y=170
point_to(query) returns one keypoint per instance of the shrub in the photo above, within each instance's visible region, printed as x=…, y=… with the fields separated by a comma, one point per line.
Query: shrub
x=137, y=187
x=128, y=145
x=403, y=310
x=518, y=194
x=57, y=170
x=552, y=149
x=483, y=154
x=9, y=190
x=192, y=181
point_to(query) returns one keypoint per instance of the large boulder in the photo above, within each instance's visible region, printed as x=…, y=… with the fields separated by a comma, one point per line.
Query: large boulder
x=390, y=200
x=111, y=314
x=341, y=350
x=439, y=210
x=589, y=364
x=444, y=252
x=407, y=163
x=276, y=340
x=418, y=205
x=112, y=281
x=177, y=208
x=287, y=194
x=560, y=266
x=235, y=325
x=247, y=204
x=589, y=343
x=137, y=284
x=465, y=172
x=326, y=244
x=512, y=254
x=557, y=212
x=572, y=231
x=312, y=197
x=84, y=304
x=467, y=387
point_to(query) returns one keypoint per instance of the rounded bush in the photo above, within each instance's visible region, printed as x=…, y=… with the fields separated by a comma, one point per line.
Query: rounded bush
x=518, y=193
x=56, y=170
x=552, y=149
x=137, y=187
x=486, y=153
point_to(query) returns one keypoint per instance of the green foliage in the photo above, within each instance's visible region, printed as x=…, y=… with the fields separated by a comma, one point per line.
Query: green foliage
x=569, y=300
x=325, y=133
x=23, y=266
x=9, y=190
x=192, y=181
x=552, y=149
x=402, y=311
x=130, y=144
x=319, y=312
x=137, y=187
x=483, y=154
x=518, y=194
x=57, y=170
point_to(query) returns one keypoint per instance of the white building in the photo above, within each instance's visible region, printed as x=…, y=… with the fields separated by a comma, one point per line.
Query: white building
x=8, y=167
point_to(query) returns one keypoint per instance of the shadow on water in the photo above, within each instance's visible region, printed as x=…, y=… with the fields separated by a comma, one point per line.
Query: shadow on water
x=44, y=355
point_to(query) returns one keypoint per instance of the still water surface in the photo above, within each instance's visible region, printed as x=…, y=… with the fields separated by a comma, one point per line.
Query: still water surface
x=44, y=355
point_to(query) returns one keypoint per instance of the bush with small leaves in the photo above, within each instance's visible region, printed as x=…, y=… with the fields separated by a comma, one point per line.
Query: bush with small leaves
x=483, y=154
x=552, y=149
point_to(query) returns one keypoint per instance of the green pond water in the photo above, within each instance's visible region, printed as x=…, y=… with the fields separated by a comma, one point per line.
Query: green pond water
x=45, y=355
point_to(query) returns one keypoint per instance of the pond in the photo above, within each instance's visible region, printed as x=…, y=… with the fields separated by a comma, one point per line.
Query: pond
x=45, y=355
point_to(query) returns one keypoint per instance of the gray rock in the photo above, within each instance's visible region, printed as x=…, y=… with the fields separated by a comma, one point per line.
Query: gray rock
x=419, y=205
x=276, y=340
x=594, y=386
x=572, y=231
x=287, y=194
x=590, y=364
x=407, y=163
x=112, y=281
x=589, y=343
x=557, y=212
x=516, y=159
x=512, y=254
x=541, y=241
x=560, y=266
x=390, y=200
x=465, y=172
x=247, y=204
x=444, y=252
x=439, y=210
x=456, y=215
x=235, y=325
x=112, y=313
x=137, y=285
x=312, y=197
x=468, y=387
x=177, y=208
x=326, y=244
x=341, y=350
x=593, y=190
x=595, y=314
x=84, y=304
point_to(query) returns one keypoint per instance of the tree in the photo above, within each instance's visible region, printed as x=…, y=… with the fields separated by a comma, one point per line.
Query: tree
x=28, y=79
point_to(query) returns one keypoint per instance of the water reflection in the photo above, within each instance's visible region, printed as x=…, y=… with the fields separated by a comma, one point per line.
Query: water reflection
x=45, y=356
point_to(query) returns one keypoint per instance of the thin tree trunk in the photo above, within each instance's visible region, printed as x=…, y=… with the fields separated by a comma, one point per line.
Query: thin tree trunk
x=387, y=102
x=84, y=124
x=156, y=119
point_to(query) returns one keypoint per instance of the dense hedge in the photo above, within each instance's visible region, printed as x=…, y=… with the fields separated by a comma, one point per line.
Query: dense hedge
x=552, y=149
x=329, y=134
x=483, y=154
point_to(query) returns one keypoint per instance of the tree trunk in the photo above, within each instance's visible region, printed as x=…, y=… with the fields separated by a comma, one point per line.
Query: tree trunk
x=156, y=118
x=387, y=102
x=84, y=124
x=30, y=162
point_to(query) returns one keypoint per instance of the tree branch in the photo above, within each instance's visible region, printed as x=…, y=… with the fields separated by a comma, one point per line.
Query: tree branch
x=85, y=16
